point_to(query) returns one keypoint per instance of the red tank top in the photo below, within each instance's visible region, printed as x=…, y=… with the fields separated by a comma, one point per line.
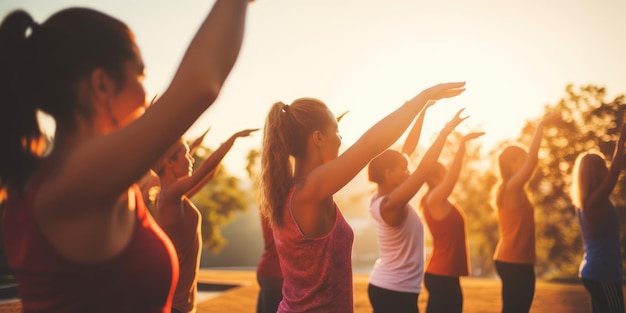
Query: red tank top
x=268, y=266
x=450, y=255
x=140, y=279
x=317, y=271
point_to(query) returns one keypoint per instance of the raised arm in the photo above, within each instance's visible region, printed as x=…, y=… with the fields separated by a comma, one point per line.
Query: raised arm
x=190, y=185
x=436, y=199
x=593, y=206
x=394, y=207
x=414, y=134
x=521, y=177
x=327, y=179
x=133, y=148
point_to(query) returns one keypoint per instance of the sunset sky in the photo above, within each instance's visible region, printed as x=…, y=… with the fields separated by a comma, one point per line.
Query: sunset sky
x=368, y=57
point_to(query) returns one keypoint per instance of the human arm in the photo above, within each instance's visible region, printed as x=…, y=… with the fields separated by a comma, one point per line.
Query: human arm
x=188, y=186
x=437, y=198
x=593, y=206
x=414, y=134
x=394, y=208
x=325, y=180
x=133, y=148
x=521, y=177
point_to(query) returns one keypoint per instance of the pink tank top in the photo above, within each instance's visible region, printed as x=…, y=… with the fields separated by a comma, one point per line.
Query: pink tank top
x=140, y=279
x=317, y=271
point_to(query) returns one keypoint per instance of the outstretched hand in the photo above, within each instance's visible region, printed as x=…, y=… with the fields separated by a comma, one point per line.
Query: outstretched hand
x=440, y=91
x=456, y=120
x=245, y=132
x=471, y=136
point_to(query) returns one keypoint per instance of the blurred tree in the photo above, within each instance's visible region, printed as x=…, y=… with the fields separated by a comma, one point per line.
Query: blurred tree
x=218, y=201
x=588, y=122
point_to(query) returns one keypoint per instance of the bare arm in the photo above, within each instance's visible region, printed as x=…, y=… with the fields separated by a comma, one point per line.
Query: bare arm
x=521, y=177
x=436, y=199
x=414, y=134
x=593, y=206
x=190, y=185
x=327, y=179
x=216, y=158
x=132, y=149
x=394, y=208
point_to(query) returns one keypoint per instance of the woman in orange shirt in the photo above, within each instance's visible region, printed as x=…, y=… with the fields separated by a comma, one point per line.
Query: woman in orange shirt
x=446, y=221
x=515, y=252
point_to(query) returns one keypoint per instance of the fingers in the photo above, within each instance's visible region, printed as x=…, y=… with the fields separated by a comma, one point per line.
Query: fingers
x=448, y=90
x=447, y=93
x=473, y=135
x=458, y=113
x=247, y=132
x=450, y=85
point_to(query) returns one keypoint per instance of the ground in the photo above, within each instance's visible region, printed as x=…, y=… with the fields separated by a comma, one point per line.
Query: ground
x=481, y=295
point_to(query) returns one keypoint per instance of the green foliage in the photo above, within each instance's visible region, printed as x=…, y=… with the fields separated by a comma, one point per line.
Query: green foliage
x=218, y=201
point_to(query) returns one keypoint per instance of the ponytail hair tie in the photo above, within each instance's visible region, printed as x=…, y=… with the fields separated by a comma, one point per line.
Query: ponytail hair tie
x=285, y=108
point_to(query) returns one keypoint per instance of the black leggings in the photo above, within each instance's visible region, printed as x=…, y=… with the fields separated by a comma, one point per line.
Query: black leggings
x=444, y=294
x=605, y=297
x=518, y=286
x=270, y=294
x=385, y=300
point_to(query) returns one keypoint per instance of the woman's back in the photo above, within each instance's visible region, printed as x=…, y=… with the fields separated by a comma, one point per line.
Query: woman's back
x=317, y=271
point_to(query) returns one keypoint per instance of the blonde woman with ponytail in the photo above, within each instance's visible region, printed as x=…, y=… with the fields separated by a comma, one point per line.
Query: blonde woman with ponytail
x=301, y=171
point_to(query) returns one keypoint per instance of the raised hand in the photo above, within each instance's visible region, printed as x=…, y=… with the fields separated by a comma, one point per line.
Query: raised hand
x=471, y=136
x=456, y=120
x=245, y=132
x=440, y=91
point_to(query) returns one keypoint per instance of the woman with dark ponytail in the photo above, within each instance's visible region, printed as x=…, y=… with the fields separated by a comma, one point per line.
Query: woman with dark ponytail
x=313, y=240
x=75, y=227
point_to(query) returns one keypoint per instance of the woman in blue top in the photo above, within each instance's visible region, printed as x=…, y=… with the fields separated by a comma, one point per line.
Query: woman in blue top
x=601, y=268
